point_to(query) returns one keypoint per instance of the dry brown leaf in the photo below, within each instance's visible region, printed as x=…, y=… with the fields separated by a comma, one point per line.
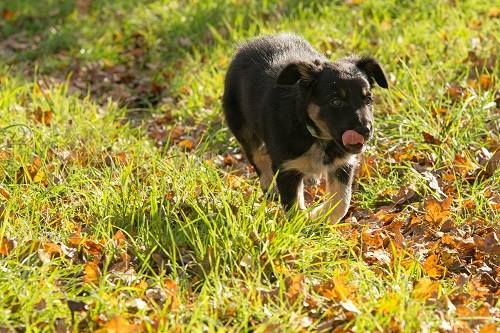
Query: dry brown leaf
x=92, y=247
x=488, y=328
x=92, y=273
x=119, y=324
x=171, y=289
x=119, y=238
x=425, y=288
x=432, y=268
x=462, y=164
x=494, y=12
x=437, y=212
x=372, y=239
x=395, y=229
x=295, y=287
x=475, y=24
x=336, y=289
x=8, y=14
x=404, y=194
x=229, y=160
x=186, y=144
x=41, y=116
x=75, y=239
x=485, y=81
x=52, y=249
x=488, y=243
x=477, y=289
x=455, y=92
x=4, y=193
x=32, y=173
x=429, y=138
x=6, y=245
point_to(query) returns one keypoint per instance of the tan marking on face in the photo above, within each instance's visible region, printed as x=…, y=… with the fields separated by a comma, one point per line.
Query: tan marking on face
x=263, y=162
x=313, y=111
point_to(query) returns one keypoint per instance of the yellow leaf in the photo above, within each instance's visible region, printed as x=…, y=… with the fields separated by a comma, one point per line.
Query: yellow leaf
x=6, y=245
x=186, y=144
x=432, y=268
x=425, y=289
x=295, y=286
x=92, y=273
x=437, y=212
x=119, y=324
x=488, y=328
x=4, y=193
x=485, y=81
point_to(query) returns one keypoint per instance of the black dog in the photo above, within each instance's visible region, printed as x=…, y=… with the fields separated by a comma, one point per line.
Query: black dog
x=296, y=113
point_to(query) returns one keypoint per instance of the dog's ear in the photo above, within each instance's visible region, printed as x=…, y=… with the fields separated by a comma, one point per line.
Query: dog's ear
x=373, y=70
x=305, y=72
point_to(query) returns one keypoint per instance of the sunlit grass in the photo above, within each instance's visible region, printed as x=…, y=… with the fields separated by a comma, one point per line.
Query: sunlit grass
x=231, y=252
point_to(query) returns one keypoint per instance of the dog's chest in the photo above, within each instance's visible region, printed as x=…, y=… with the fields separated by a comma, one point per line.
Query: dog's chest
x=315, y=161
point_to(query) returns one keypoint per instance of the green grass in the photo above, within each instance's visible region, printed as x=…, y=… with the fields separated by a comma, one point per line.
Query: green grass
x=238, y=262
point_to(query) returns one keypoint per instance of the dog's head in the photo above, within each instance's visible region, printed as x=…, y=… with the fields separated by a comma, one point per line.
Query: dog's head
x=338, y=98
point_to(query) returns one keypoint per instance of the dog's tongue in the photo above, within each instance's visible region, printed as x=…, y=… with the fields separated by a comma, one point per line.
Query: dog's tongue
x=351, y=137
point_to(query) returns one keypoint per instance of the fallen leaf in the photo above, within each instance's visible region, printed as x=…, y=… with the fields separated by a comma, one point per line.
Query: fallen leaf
x=425, y=288
x=485, y=81
x=118, y=324
x=475, y=24
x=429, y=138
x=186, y=144
x=41, y=116
x=92, y=247
x=437, y=212
x=372, y=238
x=494, y=12
x=8, y=14
x=336, y=289
x=75, y=239
x=295, y=286
x=404, y=194
x=6, y=245
x=432, y=268
x=4, y=193
x=119, y=238
x=31, y=173
x=462, y=164
x=455, y=92
x=92, y=273
x=489, y=328
x=493, y=164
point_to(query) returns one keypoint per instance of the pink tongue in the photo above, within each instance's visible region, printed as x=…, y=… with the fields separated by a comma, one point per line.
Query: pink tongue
x=351, y=137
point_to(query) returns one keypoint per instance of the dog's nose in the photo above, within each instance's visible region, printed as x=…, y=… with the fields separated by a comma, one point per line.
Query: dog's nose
x=364, y=130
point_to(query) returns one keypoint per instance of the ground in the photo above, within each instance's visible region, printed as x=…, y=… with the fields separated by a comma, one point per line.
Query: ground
x=126, y=204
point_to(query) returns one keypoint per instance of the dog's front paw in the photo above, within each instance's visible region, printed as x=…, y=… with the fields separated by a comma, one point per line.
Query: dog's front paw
x=336, y=214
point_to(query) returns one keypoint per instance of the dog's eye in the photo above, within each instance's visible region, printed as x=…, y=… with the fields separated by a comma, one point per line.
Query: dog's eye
x=336, y=102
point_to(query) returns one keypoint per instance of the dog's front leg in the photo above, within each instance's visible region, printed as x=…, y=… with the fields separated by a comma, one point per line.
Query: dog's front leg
x=339, y=187
x=290, y=188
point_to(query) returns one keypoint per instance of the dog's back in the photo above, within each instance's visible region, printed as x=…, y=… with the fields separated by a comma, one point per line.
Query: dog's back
x=253, y=72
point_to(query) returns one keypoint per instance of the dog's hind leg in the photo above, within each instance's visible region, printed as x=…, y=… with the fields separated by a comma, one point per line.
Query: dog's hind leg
x=253, y=147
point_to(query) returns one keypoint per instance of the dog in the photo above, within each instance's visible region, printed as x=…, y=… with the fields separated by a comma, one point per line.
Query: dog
x=297, y=114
